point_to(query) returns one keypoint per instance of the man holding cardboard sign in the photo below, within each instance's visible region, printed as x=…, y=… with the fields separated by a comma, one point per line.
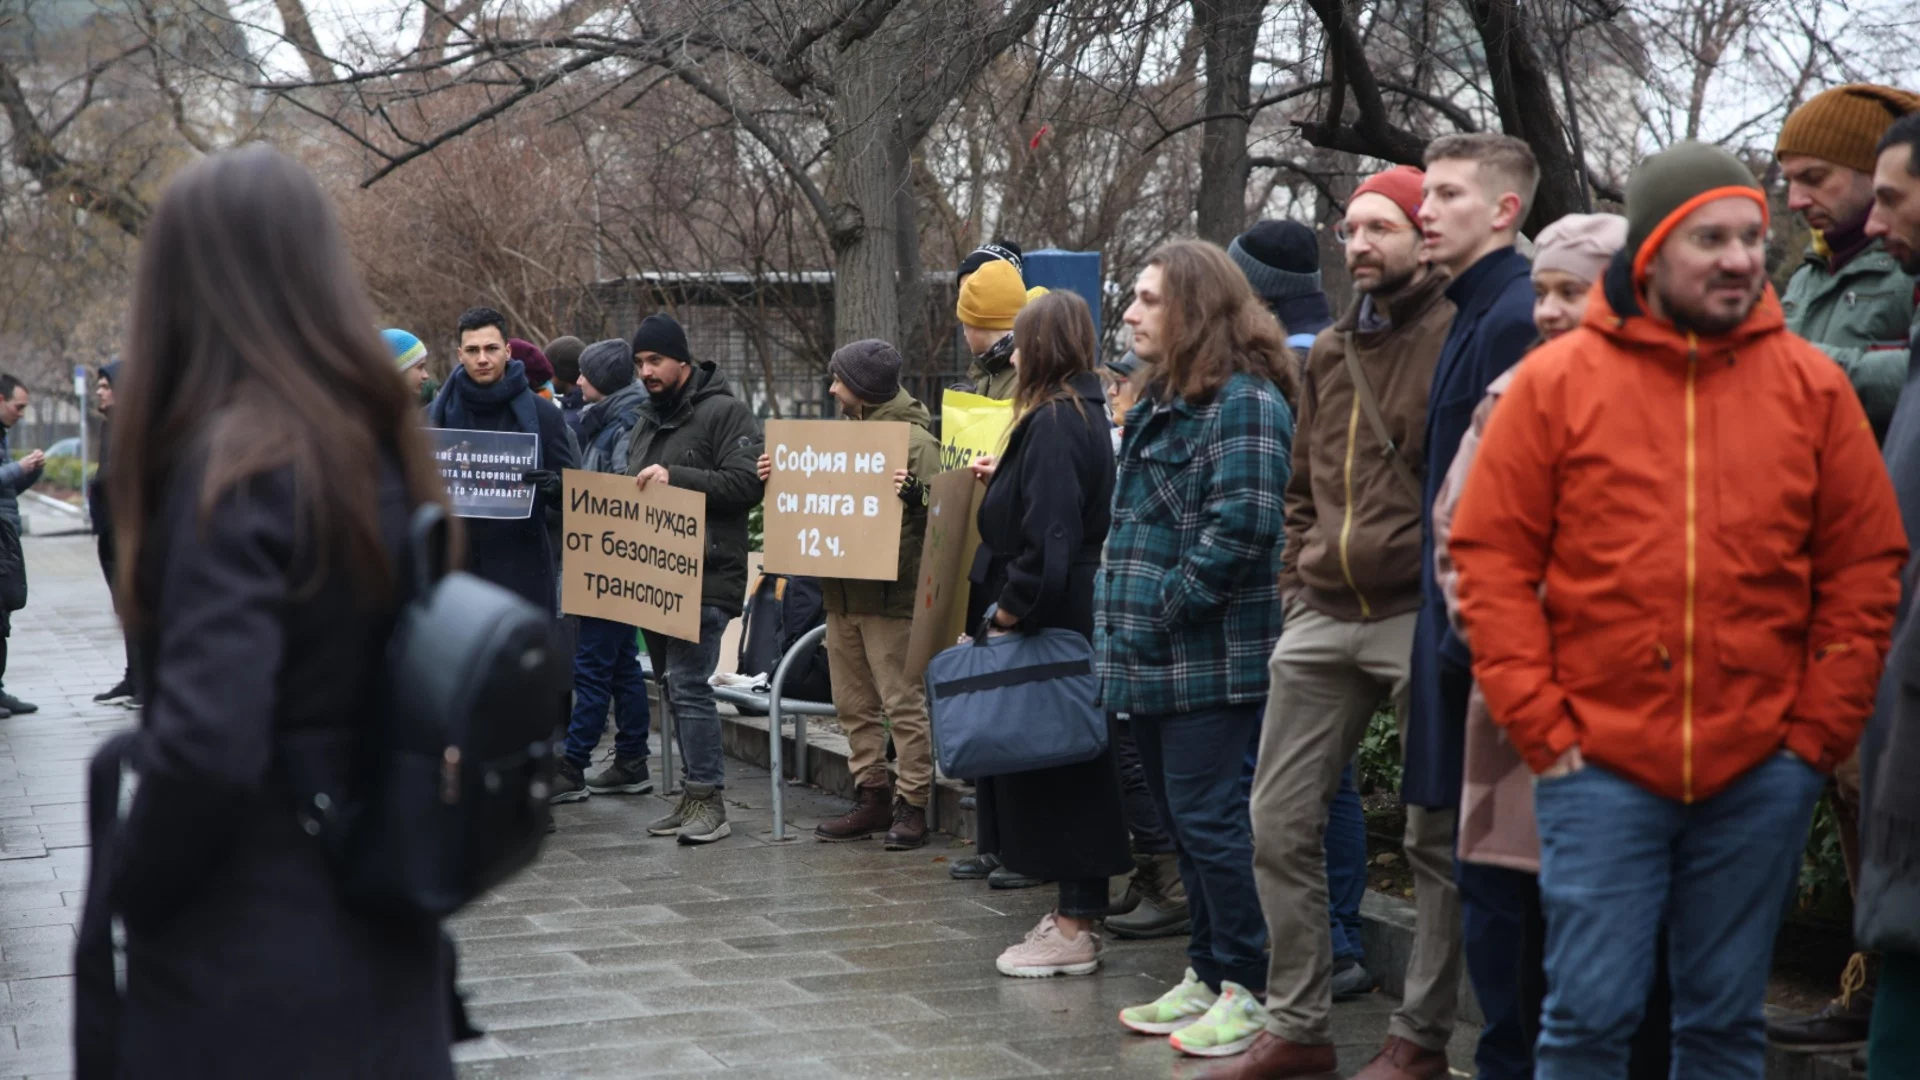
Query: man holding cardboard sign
x=693, y=434
x=869, y=617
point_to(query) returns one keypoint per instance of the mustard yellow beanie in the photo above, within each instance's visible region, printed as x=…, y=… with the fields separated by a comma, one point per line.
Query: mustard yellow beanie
x=991, y=297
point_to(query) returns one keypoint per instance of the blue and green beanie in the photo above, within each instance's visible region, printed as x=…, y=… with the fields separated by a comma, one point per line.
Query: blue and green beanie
x=407, y=349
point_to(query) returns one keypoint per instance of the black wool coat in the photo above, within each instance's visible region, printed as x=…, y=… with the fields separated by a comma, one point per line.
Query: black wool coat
x=242, y=959
x=1042, y=526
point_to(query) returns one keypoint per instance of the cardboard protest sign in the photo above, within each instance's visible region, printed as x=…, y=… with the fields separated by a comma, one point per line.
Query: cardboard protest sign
x=946, y=556
x=483, y=469
x=632, y=556
x=971, y=426
x=831, y=509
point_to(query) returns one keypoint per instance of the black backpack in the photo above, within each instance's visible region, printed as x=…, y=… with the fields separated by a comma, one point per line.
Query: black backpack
x=451, y=790
x=781, y=609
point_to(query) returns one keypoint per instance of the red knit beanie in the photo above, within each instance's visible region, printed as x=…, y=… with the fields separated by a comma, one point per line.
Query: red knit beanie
x=1401, y=185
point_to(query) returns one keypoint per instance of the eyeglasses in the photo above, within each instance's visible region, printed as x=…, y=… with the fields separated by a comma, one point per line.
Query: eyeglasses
x=1375, y=232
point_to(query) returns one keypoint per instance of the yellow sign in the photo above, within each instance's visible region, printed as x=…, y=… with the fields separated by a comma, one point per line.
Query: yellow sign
x=633, y=556
x=971, y=426
x=831, y=509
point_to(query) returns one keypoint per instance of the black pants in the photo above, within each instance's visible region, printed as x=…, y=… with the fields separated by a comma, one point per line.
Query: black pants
x=1150, y=835
x=1084, y=898
x=104, y=546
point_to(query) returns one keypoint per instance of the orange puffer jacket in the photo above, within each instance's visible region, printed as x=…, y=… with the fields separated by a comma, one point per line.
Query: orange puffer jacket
x=1718, y=541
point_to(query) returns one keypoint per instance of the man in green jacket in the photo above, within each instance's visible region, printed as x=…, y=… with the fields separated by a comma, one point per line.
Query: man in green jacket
x=869, y=622
x=1853, y=300
x=693, y=433
x=1850, y=297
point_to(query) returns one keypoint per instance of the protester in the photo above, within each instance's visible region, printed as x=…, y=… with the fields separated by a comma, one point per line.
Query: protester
x=539, y=368
x=985, y=309
x=1496, y=832
x=990, y=298
x=123, y=692
x=1850, y=298
x=409, y=358
x=1352, y=590
x=692, y=433
x=1887, y=910
x=869, y=622
x=1477, y=191
x=606, y=662
x=1678, y=556
x=564, y=354
x=1282, y=262
x=489, y=391
x=1043, y=520
x=1188, y=608
x=15, y=477
x=267, y=467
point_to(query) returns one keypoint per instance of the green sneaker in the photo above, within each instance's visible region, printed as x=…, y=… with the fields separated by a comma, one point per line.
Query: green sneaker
x=1173, y=1010
x=1228, y=1028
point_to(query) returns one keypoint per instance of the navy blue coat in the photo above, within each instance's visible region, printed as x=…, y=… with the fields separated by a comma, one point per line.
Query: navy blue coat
x=521, y=556
x=1492, y=331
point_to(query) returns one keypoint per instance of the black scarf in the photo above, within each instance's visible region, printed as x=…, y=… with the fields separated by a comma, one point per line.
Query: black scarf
x=461, y=398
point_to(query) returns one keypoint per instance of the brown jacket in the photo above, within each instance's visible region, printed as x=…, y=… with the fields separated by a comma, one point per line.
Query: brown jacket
x=1353, y=526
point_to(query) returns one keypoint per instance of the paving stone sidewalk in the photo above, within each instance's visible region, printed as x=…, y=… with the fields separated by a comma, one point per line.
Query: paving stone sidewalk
x=618, y=954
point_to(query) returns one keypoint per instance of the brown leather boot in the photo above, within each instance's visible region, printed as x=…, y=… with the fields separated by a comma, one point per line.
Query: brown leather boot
x=869, y=815
x=1274, y=1058
x=1403, y=1060
x=909, y=829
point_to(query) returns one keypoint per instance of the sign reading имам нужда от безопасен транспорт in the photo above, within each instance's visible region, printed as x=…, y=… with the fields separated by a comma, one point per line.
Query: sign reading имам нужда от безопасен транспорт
x=633, y=556
x=483, y=471
x=831, y=508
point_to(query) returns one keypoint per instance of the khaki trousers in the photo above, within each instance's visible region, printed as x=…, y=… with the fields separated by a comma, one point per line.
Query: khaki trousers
x=867, y=657
x=1328, y=675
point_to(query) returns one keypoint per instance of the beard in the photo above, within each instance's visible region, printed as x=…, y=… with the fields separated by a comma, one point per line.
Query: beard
x=1697, y=316
x=1392, y=279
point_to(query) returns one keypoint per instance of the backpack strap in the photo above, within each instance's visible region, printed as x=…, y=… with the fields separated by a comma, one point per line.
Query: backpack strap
x=1370, y=405
x=96, y=1010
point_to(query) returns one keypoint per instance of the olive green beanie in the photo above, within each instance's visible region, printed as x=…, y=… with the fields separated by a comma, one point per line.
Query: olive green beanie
x=1674, y=183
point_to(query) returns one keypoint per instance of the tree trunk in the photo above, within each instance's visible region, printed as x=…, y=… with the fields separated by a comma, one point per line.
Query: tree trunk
x=1229, y=30
x=1524, y=93
x=865, y=182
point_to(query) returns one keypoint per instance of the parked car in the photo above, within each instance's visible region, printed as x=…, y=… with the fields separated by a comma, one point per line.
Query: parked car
x=68, y=447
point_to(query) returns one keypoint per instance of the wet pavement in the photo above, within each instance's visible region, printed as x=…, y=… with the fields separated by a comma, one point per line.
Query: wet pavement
x=620, y=954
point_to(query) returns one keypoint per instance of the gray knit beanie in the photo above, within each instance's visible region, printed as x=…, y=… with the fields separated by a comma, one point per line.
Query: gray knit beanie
x=870, y=368
x=608, y=365
x=1280, y=258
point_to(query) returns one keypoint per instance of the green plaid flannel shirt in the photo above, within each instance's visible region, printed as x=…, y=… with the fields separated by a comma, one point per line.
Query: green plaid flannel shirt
x=1187, y=606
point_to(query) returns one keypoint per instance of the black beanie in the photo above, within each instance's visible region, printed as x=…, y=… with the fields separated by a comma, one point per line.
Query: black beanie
x=564, y=354
x=662, y=334
x=870, y=368
x=608, y=365
x=1280, y=258
x=1002, y=250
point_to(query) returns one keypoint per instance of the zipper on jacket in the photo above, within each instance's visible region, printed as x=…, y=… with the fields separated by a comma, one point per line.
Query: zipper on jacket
x=1693, y=534
x=1346, y=524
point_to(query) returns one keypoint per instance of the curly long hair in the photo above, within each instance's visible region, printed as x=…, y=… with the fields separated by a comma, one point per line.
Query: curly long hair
x=1214, y=326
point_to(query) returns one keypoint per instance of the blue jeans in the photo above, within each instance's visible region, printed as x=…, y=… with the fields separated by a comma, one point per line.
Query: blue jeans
x=1613, y=858
x=682, y=669
x=1194, y=763
x=1496, y=906
x=1346, y=842
x=606, y=670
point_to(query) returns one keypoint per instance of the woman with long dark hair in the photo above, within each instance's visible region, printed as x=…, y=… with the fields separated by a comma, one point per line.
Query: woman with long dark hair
x=266, y=463
x=1042, y=524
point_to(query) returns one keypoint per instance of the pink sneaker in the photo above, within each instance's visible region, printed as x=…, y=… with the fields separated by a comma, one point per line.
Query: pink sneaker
x=1048, y=951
